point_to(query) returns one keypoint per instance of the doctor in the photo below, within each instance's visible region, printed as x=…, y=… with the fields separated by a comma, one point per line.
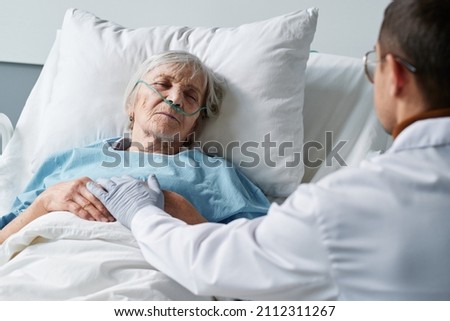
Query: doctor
x=377, y=232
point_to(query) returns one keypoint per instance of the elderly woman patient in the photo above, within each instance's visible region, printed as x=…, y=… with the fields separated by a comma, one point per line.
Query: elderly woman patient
x=167, y=101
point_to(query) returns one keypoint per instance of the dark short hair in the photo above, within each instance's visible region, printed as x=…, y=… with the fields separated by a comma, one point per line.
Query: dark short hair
x=419, y=32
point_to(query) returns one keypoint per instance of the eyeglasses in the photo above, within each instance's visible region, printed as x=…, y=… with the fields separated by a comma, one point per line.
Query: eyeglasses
x=177, y=107
x=370, y=62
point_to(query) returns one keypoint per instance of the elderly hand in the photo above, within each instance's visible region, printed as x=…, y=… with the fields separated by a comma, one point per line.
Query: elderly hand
x=74, y=197
x=125, y=196
x=180, y=208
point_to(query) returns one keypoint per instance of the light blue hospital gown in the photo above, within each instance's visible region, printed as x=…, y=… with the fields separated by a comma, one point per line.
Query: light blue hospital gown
x=219, y=191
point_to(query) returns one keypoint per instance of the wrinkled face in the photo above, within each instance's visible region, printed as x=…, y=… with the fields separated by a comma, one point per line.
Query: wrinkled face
x=154, y=117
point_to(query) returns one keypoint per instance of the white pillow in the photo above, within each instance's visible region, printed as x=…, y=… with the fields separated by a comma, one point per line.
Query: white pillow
x=263, y=63
x=339, y=101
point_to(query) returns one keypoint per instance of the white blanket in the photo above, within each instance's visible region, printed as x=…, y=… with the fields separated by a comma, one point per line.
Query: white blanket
x=62, y=257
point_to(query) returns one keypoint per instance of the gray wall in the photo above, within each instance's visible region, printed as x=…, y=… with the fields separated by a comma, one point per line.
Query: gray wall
x=28, y=28
x=16, y=82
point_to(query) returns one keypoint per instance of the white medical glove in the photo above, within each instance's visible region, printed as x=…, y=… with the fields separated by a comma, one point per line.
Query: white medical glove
x=125, y=196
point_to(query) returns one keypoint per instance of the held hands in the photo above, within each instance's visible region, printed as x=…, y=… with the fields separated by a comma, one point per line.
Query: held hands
x=73, y=196
x=125, y=196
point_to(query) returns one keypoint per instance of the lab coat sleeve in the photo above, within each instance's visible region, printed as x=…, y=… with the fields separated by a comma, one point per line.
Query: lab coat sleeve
x=280, y=256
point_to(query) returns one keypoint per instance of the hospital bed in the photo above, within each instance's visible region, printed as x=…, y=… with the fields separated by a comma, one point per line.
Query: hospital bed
x=315, y=109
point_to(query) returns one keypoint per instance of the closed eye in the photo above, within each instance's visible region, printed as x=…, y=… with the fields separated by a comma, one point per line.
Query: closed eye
x=191, y=95
x=161, y=85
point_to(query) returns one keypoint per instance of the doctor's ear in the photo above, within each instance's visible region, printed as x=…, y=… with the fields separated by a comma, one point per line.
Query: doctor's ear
x=398, y=76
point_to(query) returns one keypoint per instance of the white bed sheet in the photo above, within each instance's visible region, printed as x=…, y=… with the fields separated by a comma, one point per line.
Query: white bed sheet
x=62, y=257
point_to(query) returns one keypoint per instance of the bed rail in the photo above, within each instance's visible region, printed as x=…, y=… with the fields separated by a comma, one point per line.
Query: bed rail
x=6, y=130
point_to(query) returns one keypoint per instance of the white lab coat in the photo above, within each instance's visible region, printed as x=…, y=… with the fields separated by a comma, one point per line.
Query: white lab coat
x=377, y=232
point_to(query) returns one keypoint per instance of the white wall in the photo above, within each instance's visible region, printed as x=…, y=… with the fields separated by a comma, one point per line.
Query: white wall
x=27, y=27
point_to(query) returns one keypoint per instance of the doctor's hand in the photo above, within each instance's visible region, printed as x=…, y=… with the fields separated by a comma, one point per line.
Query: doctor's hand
x=125, y=196
x=74, y=197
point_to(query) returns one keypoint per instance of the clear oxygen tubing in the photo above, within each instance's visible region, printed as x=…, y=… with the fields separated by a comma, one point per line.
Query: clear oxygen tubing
x=169, y=102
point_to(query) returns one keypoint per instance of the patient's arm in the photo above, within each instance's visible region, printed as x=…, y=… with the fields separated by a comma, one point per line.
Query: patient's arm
x=34, y=211
x=174, y=204
x=179, y=207
x=69, y=196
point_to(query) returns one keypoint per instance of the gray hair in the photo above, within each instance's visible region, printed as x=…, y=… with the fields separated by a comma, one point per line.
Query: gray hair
x=181, y=59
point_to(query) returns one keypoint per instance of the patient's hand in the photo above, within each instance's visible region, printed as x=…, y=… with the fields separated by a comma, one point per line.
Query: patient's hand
x=73, y=196
x=70, y=196
x=179, y=207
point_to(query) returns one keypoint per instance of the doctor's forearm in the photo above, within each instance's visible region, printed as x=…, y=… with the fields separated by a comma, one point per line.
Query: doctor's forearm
x=203, y=258
x=275, y=261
